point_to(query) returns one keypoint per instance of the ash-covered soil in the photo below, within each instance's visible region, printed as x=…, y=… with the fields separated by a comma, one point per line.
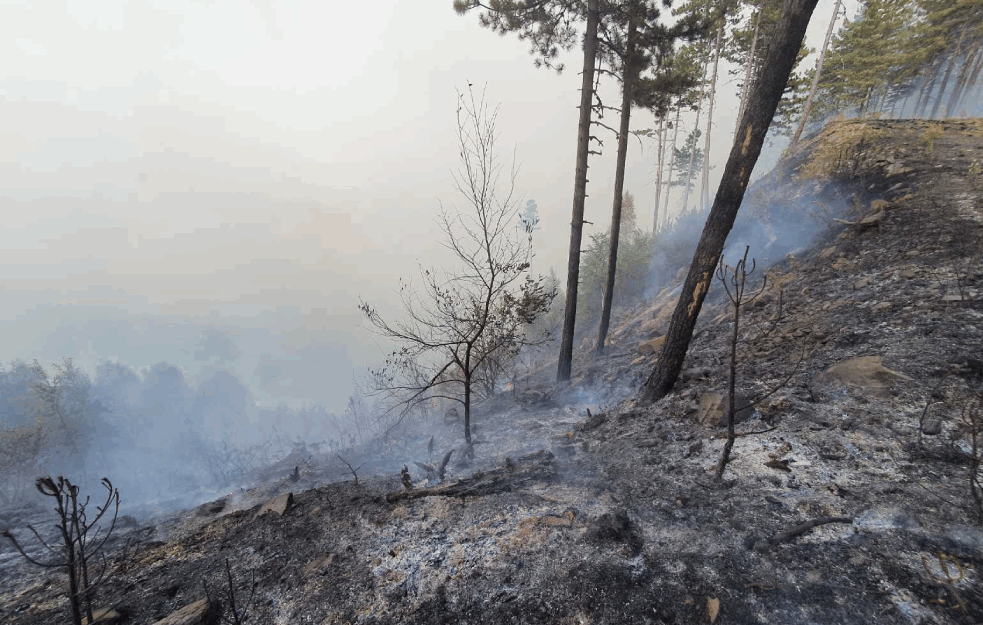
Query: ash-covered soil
x=620, y=519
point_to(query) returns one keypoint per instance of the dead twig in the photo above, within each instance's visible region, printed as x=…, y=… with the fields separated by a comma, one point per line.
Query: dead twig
x=949, y=579
x=802, y=528
x=350, y=468
x=516, y=473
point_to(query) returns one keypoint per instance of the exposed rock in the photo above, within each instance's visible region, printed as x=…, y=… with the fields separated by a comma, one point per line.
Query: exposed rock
x=865, y=376
x=881, y=307
x=197, y=613
x=653, y=326
x=278, y=505
x=106, y=616
x=651, y=346
x=211, y=508
x=714, y=409
x=695, y=373
x=318, y=566
x=872, y=220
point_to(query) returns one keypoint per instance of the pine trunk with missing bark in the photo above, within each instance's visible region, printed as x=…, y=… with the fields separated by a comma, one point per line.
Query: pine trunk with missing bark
x=619, y=185
x=752, y=129
x=565, y=364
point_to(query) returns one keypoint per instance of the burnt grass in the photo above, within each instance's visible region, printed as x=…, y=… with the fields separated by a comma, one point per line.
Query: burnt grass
x=629, y=525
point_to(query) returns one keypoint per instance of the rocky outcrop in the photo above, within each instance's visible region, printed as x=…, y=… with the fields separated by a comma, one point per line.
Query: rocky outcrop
x=864, y=376
x=197, y=613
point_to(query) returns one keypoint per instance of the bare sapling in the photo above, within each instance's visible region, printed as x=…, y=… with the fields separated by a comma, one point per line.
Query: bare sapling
x=463, y=324
x=354, y=470
x=81, y=541
x=238, y=614
x=735, y=281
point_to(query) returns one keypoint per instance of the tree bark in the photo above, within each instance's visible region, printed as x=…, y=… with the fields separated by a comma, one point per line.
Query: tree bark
x=619, y=184
x=746, y=87
x=971, y=82
x=752, y=129
x=928, y=87
x=705, y=183
x=565, y=363
x=948, y=72
x=672, y=160
x=692, y=152
x=815, y=78
x=959, y=89
x=658, y=176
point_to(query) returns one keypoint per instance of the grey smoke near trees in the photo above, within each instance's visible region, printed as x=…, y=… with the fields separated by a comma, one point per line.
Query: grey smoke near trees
x=765, y=94
x=463, y=324
x=160, y=435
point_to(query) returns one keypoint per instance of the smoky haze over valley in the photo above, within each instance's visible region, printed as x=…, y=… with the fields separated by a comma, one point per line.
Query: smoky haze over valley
x=196, y=196
x=213, y=185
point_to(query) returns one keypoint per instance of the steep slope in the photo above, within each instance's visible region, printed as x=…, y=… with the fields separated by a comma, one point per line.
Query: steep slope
x=621, y=520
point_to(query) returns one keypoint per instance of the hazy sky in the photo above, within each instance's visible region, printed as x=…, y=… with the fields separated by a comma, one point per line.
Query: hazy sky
x=215, y=183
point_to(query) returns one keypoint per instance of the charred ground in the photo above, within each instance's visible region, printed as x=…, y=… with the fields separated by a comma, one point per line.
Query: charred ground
x=621, y=521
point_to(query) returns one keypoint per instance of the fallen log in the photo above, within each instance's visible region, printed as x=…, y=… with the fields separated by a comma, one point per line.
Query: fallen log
x=536, y=467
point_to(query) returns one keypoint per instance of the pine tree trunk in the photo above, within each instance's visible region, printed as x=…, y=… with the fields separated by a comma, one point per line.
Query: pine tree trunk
x=974, y=75
x=692, y=152
x=928, y=88
x=746, y=87
x=672, y=161
x=959, y=89
x=948, y=72
x=753, y=127
x=815, y=78
x=658, y=176
x=705, y=184
x=565, y=364
x=619, y=184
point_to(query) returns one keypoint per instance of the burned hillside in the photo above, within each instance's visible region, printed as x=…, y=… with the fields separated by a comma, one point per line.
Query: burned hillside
x=847, y=499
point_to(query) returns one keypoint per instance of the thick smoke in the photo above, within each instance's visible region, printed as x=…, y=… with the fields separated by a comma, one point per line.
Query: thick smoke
x=163, y=440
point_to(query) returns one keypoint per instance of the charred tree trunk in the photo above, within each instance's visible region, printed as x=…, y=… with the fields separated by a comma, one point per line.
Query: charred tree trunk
x=565, y=363
x=705, y=182
x=752, y=128
x=467, y=401
x=815, y=79
x=619, y=184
